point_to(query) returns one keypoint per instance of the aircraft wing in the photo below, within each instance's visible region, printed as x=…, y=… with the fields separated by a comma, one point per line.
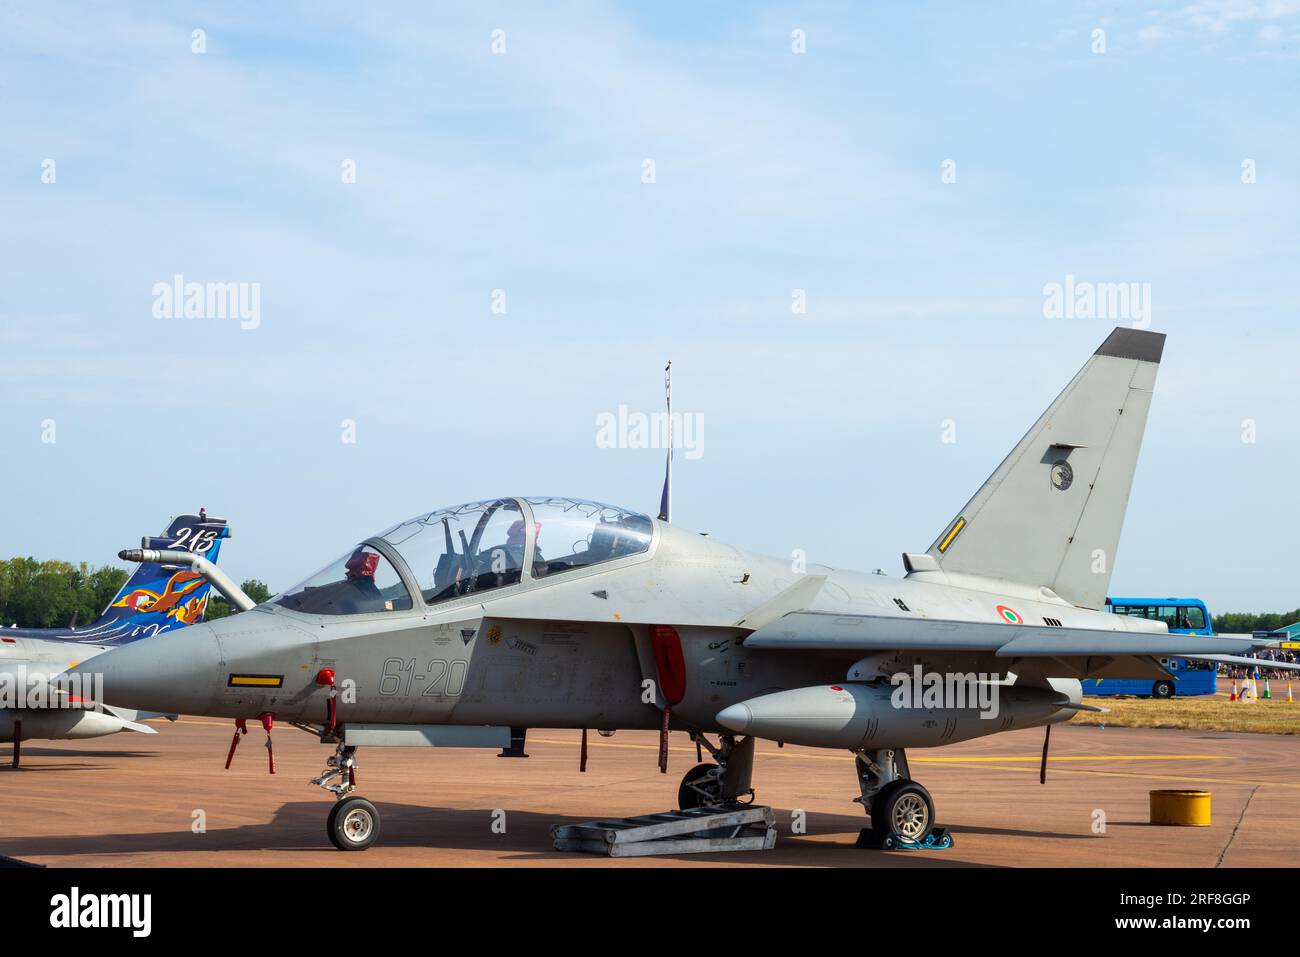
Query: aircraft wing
x=824, y=631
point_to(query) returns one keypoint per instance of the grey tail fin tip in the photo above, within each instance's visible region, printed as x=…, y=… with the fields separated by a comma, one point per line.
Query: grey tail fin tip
x=1133, y=344
x=1051, y=514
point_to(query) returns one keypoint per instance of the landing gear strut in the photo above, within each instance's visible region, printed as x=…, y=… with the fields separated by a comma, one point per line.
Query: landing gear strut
x=353, y=822
x=18, y=743
x=725, y=782
x=898, y=806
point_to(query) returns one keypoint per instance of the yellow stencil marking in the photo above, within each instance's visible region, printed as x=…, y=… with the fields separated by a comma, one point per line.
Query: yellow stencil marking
x=957, y=527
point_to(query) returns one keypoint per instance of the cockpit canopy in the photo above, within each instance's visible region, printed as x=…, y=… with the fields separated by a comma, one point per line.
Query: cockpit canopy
x=361, y=582
x=471, y=549
x=572, y=534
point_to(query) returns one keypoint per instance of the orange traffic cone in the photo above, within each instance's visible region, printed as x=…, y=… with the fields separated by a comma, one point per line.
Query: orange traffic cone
x=1233, y=696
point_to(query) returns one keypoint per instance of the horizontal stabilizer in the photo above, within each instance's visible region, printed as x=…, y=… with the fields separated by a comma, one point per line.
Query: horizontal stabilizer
x=1248, y=662
x=138, y=727
x=132, y=715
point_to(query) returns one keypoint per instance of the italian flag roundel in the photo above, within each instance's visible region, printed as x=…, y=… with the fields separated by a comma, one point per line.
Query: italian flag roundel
x=1009, y=615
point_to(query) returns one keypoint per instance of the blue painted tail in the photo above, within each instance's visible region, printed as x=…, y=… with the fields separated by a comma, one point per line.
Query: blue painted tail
x=157, y=598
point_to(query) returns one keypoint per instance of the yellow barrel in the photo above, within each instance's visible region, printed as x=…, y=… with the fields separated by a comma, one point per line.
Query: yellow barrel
x=1186, y=808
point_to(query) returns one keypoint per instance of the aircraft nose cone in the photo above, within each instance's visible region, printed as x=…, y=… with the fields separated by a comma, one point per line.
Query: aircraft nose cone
x=166, y=673
x=737, y=717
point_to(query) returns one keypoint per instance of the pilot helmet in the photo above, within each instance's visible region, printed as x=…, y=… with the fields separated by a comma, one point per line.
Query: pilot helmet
x=515, y=533
x=362, y=565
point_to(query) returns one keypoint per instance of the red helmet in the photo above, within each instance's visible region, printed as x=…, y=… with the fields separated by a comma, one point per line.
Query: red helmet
x=362, y=565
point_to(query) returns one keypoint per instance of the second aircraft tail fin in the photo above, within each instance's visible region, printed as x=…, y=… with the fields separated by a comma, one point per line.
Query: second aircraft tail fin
x=156, y=598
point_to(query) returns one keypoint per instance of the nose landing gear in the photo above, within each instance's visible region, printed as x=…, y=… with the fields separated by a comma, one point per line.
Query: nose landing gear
x=725, y=782
x=353, y=822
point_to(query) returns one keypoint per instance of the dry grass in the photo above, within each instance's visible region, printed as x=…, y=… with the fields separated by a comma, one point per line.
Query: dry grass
x=1206, y=713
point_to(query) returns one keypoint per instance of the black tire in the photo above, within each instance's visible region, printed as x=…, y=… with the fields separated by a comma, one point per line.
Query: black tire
x=688, y=797
x=1162, y=689
x=902, y=809
x=353, y=824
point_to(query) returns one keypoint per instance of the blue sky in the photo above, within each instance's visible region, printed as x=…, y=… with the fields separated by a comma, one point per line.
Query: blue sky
x=522, y=172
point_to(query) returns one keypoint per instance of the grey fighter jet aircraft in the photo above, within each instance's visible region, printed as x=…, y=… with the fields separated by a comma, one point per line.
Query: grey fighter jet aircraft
x=465, y=626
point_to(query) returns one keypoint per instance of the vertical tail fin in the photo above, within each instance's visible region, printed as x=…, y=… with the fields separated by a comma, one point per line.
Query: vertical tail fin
x=157, y=598
x=1052, y=512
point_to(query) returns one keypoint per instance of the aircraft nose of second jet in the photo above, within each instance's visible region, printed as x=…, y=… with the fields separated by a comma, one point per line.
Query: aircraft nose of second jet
x=172, y=672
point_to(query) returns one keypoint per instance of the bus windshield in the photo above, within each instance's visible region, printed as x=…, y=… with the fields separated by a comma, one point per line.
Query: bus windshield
x=1186, y=615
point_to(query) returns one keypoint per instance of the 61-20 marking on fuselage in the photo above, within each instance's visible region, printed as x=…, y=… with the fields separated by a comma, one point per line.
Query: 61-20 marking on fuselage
x=445, y=678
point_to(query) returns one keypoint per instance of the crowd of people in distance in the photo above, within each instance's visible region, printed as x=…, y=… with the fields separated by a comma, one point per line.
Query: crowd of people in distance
x=1265, y=656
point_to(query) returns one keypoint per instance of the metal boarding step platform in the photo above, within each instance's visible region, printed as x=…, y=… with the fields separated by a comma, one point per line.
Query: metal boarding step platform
x=719, y=827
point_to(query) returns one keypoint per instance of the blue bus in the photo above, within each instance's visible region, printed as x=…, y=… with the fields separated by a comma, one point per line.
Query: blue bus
x=1183, y=616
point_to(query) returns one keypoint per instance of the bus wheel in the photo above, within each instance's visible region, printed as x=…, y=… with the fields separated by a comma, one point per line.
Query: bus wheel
x=1162, y=689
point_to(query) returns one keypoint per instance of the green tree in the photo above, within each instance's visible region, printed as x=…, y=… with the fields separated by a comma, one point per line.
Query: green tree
x=52, y=594
x=218, y=607
x=49, y=594
x=104, y=584
x=1244, y=622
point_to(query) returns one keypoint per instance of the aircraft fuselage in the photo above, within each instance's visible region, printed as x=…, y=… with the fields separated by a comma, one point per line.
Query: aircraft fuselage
x=568, y=650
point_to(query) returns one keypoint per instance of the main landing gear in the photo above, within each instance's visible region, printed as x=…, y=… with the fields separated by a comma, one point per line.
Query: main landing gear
x=724, y=782
x=898, y=806
x=353, y=822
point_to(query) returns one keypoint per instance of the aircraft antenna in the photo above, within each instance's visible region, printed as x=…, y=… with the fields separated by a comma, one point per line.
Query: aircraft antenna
x=666, y=499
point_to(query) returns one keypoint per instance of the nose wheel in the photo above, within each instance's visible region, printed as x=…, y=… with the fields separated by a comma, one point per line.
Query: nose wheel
x=353, y=824
x=725, y=782
x=701, y=787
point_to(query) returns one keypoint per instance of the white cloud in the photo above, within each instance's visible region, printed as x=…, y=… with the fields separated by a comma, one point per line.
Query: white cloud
x=1219, y=16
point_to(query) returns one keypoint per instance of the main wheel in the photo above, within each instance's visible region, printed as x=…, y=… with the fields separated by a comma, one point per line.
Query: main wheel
x=700, y=786
x=1162, y=689
x=903, y=809
x=353, y=824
